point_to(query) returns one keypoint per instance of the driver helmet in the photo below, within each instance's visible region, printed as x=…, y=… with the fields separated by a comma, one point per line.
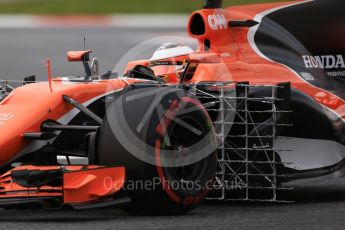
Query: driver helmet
x=170, y=60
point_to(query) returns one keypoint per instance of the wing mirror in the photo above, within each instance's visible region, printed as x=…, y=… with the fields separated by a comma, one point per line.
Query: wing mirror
x=84, y=57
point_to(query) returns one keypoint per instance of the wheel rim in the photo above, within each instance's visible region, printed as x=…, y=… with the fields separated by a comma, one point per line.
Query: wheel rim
x=180, y=139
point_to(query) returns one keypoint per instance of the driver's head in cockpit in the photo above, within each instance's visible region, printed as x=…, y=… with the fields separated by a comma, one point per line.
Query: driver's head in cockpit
x=169, y=61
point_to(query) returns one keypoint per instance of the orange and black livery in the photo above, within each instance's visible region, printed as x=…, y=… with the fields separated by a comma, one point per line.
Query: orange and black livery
x=84, y=141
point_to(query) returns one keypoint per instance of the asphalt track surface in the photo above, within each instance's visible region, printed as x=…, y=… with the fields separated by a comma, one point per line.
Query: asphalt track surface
x=21, y=54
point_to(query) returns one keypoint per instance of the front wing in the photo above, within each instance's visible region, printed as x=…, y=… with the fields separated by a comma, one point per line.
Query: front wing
x=54, y=187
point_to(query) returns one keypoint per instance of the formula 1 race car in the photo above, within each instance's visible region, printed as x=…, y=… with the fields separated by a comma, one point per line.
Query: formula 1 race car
x=257, y=106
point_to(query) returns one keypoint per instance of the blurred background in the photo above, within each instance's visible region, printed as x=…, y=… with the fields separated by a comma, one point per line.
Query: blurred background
x=108, y=6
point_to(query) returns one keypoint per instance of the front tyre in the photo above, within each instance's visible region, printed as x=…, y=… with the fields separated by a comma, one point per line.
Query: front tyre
x=166, y=141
